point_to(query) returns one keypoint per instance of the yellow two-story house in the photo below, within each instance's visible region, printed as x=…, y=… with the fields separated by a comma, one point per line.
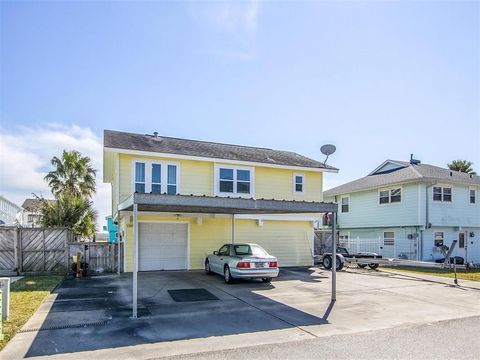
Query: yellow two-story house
x=177, y=200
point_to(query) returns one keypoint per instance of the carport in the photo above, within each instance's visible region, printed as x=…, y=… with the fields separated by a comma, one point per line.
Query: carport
x=192, y=204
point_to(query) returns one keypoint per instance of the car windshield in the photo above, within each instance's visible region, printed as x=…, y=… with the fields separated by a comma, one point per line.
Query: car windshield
x=249, y=250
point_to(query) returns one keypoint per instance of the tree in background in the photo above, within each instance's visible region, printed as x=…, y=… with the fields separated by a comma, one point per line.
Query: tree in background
x=74, y=213
x=73, y=175
x=72, y=182
x=462, y=166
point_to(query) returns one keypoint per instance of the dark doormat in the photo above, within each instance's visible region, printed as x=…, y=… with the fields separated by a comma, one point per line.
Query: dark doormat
x=183, y=295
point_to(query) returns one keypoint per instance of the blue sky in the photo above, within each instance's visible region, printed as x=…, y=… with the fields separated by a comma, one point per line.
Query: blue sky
x=377, y=79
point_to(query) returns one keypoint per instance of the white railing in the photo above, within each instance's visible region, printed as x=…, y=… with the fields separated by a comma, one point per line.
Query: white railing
x=402, y=248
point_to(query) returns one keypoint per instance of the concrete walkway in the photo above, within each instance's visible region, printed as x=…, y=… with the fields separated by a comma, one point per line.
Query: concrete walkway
x=90, y=317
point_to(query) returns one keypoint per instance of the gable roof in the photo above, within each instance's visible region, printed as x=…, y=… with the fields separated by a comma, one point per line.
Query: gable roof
x=33, y=205
x=196, y=148
x=407, y=173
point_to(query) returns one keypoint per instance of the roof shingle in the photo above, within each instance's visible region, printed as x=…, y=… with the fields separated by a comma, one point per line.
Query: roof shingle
x=169, y=145
x=409, y=173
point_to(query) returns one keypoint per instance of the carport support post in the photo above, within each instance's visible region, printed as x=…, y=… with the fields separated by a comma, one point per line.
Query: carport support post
x=334, y=256
x=135, y=260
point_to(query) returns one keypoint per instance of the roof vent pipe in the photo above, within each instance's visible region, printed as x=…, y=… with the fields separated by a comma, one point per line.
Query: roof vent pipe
x=414, y=161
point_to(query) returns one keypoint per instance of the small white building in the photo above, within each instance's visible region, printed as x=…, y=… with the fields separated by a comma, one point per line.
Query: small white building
x=8, y=211
x=29, y=215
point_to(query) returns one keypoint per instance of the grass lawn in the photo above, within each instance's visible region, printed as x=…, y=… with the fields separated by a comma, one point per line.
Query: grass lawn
x=26, y=295
x=461, y=274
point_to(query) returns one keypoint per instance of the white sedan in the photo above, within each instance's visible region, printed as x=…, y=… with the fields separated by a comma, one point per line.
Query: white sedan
x=242, y=261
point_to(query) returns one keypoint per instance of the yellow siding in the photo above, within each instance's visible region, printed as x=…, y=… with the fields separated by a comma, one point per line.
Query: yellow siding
x=271, y=183
x=289, y=241
x=197, y=177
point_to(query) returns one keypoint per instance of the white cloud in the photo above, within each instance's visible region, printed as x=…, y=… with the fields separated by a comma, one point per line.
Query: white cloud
x=25, y=159
x=237, y=20
x=236, y=16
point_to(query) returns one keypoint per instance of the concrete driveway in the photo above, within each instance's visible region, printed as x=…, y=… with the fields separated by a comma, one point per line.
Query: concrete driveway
x=90, y=316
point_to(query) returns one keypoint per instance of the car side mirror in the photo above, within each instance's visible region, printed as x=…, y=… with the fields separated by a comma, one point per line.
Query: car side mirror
x=215, y=253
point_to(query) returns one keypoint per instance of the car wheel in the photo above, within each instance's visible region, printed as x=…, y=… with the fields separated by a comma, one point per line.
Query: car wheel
x=208, y=271
x=373, y=266
x=266, y=280
x=227, y=275
x=362, y=266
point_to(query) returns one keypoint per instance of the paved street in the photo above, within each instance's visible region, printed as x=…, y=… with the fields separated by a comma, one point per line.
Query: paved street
x=451, y=339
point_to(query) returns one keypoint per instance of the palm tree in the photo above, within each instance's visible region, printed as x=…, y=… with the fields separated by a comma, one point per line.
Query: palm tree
x=74, y=213
x=462, y=166
x=73, y=175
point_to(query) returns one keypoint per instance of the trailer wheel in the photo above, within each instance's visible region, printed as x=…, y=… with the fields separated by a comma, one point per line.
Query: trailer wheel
x=373, y=266
x=327, y=262
x=339, y=263
x=362, y=266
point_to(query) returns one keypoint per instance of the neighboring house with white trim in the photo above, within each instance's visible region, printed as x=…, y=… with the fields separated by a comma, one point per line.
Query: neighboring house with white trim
x=411, y=207
x=8, y=211
x=29, y=215
x=186, y=198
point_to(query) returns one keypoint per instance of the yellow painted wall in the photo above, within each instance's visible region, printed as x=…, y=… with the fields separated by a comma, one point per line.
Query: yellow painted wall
x=197, y=177
x=289, y=241
x=271, y=183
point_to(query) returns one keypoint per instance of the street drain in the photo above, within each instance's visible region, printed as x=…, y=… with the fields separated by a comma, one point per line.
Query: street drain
x=60, y=327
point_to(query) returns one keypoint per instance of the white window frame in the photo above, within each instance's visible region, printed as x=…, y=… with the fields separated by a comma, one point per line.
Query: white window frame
x=389, y=189
x=148, y=174
x=216, y=181
x=295, y=183
x=134, y=178
x=442, y=187
x=391, y=240
x=474, y=189
x=341, y=204
x=434, y=237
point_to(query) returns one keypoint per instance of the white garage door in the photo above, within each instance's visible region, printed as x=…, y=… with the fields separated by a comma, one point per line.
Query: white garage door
x=162, y=246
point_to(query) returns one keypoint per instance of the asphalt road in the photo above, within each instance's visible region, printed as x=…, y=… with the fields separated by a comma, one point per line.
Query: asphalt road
x=452, y=339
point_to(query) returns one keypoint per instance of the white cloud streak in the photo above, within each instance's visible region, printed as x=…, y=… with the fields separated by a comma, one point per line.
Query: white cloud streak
x=25, y=159
x=236, y=20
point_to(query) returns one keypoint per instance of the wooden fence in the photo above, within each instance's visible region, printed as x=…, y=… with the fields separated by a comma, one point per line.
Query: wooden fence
x=37, y=250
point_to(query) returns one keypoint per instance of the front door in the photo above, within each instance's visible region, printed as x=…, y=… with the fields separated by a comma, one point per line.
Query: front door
x=462, y=245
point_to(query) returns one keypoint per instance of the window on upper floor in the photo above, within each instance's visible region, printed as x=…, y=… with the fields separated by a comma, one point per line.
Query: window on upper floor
x=438, y=238
x=172, y=179
x=473, y=196
x=140, y=177
x=231, y=180
x=151, y=177
x=443, y=194
x=388, y=196
x=389, y=238
x=298, y=183
x=156, y=178
x=345, y=204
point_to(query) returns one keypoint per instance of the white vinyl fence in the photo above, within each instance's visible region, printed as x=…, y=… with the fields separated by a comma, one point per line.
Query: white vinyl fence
x=402, y=248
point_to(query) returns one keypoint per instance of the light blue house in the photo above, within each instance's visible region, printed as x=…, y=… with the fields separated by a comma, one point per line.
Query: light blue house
x=408, y=209
x=112, y=229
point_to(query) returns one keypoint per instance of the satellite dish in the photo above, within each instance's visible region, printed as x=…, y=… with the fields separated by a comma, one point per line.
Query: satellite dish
x=327, y=149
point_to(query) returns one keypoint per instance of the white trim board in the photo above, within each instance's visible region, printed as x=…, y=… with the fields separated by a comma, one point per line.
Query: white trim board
x=208, y=159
